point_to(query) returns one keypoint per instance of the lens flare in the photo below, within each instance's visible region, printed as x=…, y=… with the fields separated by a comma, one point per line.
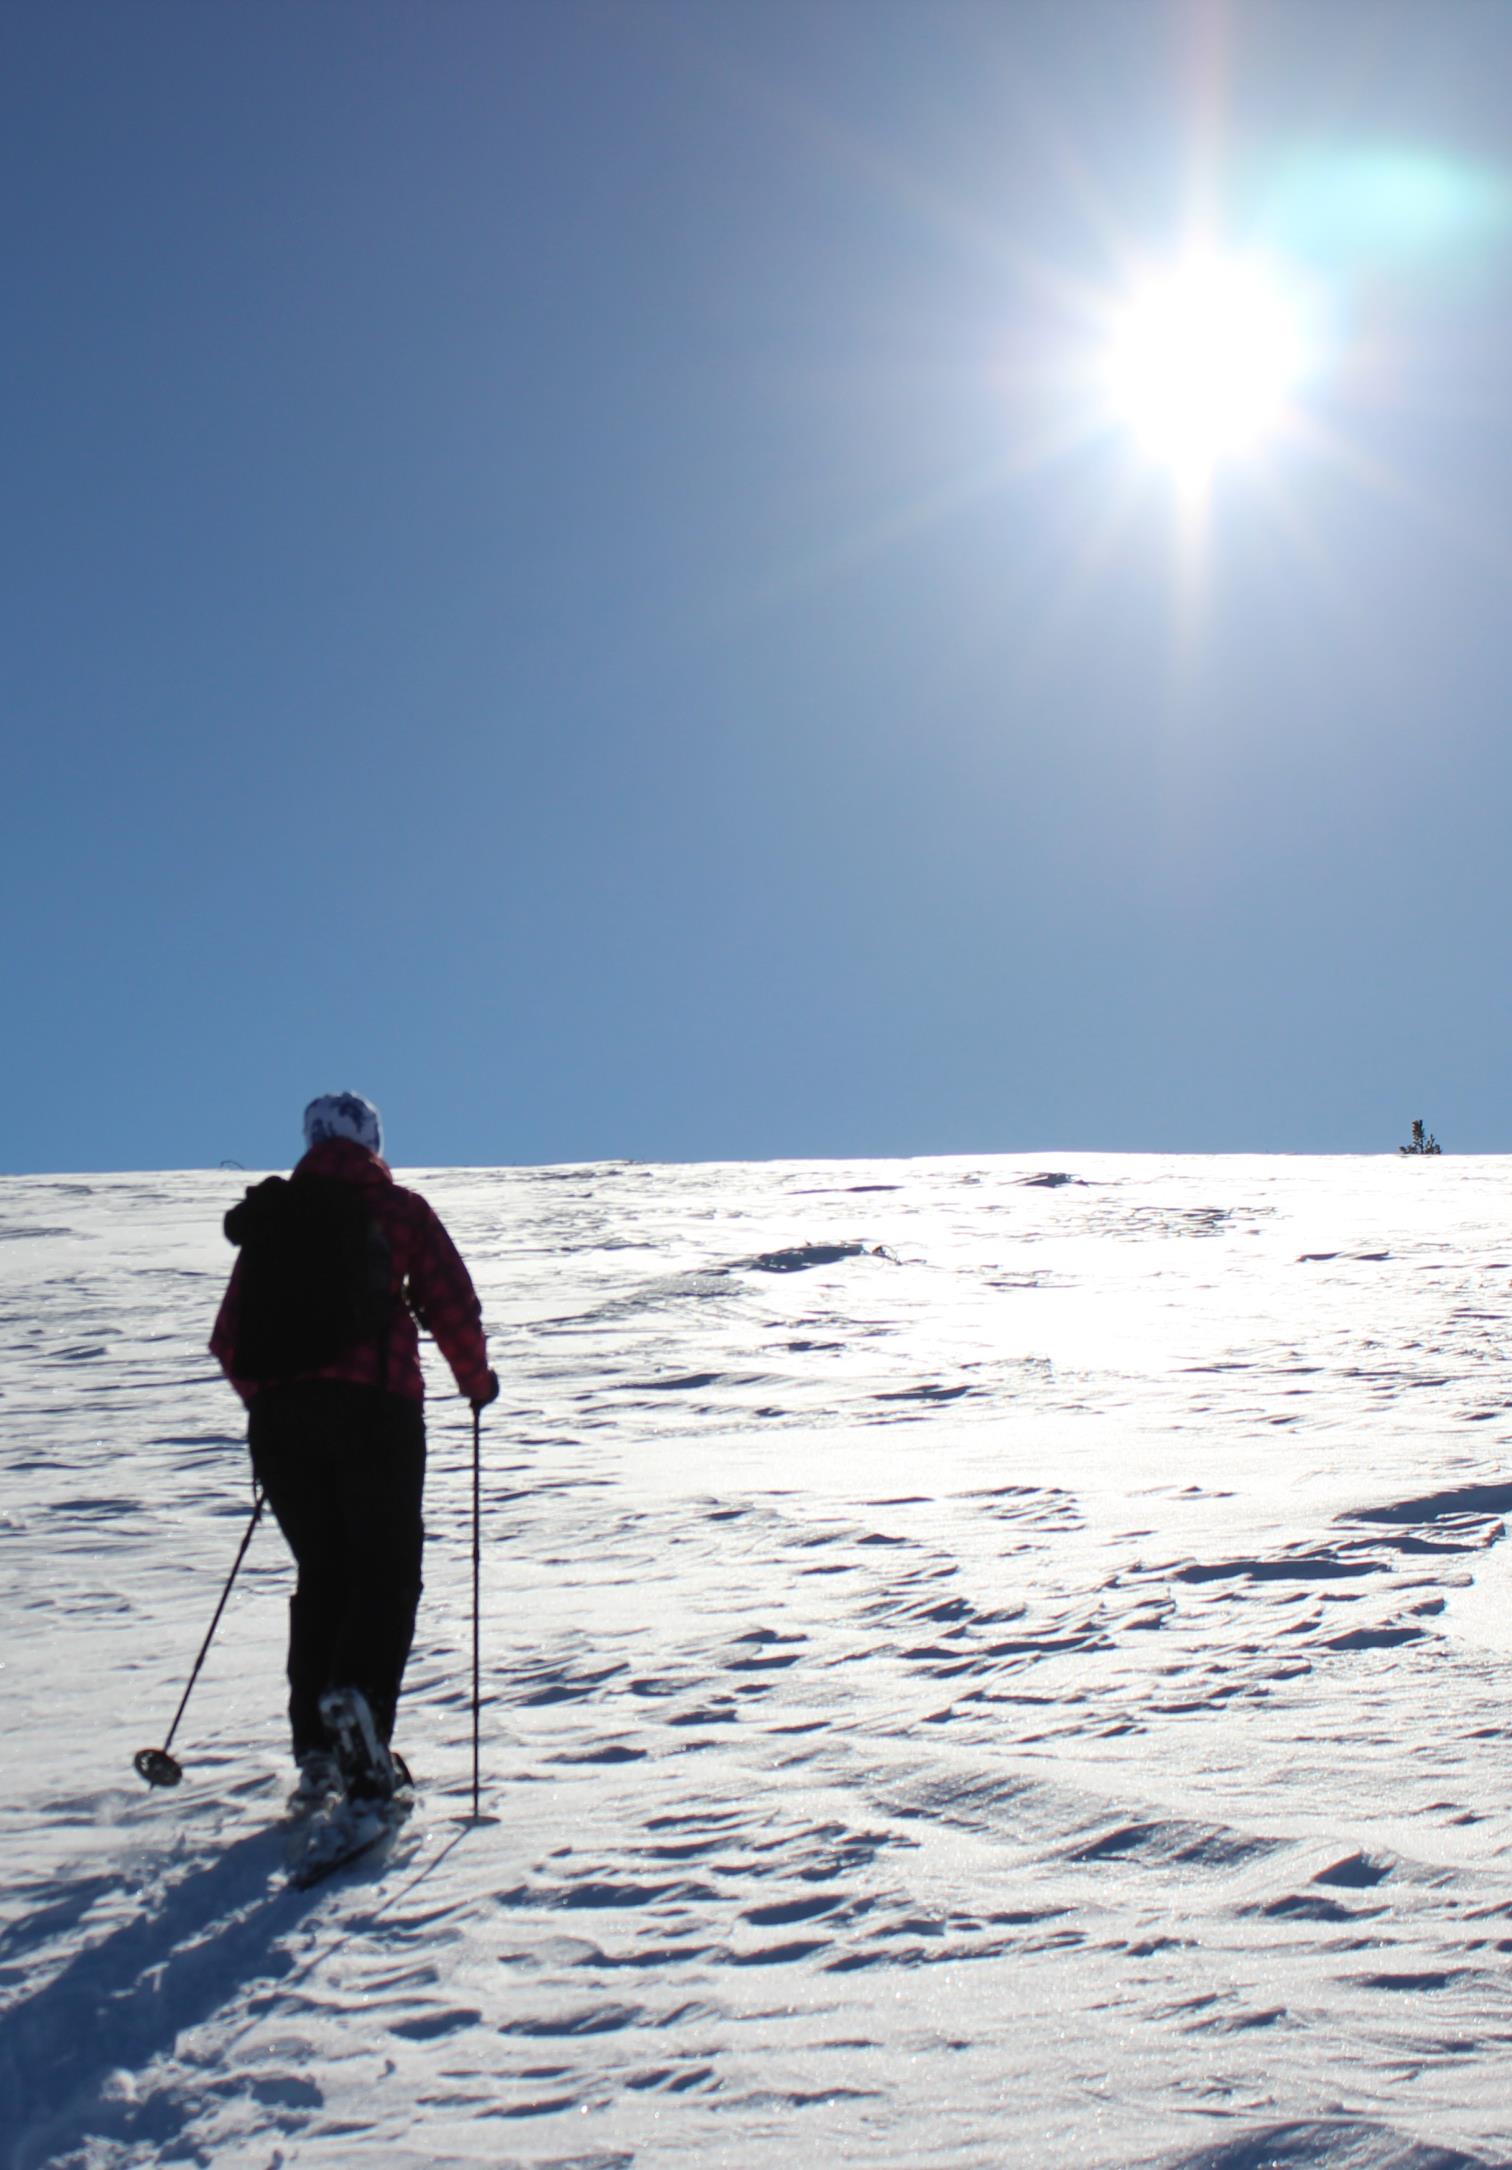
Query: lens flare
x=1202, y=361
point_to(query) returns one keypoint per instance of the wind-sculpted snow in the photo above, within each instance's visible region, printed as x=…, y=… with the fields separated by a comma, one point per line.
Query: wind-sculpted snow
x=986, y=1664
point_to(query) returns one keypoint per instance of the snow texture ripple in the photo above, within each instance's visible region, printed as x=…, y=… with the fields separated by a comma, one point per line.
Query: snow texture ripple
x=986, y=1663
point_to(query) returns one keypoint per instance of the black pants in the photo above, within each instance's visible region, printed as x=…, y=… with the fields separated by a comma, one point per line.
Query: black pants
x=344, y=1470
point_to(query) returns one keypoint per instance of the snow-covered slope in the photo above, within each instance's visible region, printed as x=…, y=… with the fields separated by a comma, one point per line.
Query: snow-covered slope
x=986, y=1664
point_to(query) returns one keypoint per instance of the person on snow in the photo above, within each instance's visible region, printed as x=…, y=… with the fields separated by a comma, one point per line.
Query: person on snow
x=317, y=1332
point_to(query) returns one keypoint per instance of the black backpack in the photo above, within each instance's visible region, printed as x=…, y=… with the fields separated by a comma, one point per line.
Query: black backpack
x=315, y=1275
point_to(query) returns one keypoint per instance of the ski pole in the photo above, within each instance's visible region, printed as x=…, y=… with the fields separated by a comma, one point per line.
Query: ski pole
x=477, y=1565
x=156, y=1765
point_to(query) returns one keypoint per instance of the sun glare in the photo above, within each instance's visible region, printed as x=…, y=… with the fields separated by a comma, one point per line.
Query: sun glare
x=1201, y=362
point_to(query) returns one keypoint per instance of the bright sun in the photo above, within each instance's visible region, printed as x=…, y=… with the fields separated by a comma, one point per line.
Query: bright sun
x=1201, y=362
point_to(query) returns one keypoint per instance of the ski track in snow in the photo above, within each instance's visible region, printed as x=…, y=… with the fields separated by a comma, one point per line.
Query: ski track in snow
x=987, y=1663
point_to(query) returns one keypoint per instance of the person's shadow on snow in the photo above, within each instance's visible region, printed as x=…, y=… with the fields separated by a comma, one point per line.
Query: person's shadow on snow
x=74, y=2052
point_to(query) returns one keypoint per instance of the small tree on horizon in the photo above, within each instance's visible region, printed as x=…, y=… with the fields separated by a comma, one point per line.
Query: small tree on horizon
x=1423, y=1141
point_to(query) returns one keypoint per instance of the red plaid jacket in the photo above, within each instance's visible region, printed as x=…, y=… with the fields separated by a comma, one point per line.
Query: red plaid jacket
x=429, y=1278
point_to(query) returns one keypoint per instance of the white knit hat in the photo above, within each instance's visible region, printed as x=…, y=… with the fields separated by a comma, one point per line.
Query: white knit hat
x=344, y=1115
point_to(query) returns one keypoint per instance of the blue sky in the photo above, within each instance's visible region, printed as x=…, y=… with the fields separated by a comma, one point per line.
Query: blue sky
x=563, y=571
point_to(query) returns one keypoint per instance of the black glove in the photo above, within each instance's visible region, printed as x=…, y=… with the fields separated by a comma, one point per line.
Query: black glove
x=481, y=1401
